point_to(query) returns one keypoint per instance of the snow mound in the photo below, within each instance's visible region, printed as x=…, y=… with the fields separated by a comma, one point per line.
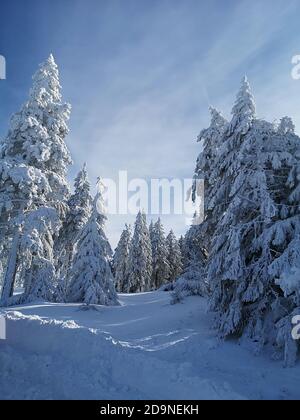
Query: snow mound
x=51, y=359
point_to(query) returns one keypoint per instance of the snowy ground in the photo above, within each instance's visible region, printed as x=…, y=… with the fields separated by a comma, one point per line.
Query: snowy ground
x=144, y=349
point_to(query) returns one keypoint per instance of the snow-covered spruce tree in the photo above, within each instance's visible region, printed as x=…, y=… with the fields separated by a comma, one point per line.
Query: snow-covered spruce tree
x=250, y=211
x=182, y=248
x=160, y=263
x=140, y=257
x=33, y=165
x=152, y=239
x=196, y=245
x=226, y=246
x=249, y=236
x=151, y=231
x=193, y=279
x=286, y=230
x=279, y=244
x=224, y=168
x=121, y=261
x=206, y=171
x=92, y=281
x=79, y=211
x=212, y=168
x=36, y=249
x=151, y=236
x=174, y=257
x=227, y=138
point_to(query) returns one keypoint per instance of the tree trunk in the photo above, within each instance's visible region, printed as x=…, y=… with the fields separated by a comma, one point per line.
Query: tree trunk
x=11, y=271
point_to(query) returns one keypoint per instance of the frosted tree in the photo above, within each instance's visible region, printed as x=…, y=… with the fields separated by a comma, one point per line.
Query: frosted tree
x=33, y=164
x=196, y=245
x=121, y=261
x=278, y=247
x=243, y=112
x=151, y=236
x=140, y=257
x=250, y=246
x=79, y=211
x=181, y=246
x=152, y=239
x=35, y=140
x=151, y=230
x=220, y=146
x=249, y=212
x=174, y=257
x=282, y=239
x=207, y=171
x=225, y=163
x=285, y=232
x=193, y=279
x=36, y=248
x=92, y=281
x=226, y=265
x=160, y=263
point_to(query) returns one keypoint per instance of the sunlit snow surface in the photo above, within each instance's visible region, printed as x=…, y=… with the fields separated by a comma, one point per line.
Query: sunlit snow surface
x=143, y=349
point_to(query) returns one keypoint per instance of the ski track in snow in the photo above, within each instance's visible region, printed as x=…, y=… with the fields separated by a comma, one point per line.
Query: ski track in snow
x=143, y=349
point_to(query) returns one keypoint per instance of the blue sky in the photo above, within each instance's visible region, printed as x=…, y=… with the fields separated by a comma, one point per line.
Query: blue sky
x=140, y=74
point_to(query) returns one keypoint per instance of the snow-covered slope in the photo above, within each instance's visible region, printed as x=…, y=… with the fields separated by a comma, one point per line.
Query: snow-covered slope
x=143, y=349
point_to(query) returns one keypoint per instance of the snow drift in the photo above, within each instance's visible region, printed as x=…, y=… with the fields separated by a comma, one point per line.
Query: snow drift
x=50, y=359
